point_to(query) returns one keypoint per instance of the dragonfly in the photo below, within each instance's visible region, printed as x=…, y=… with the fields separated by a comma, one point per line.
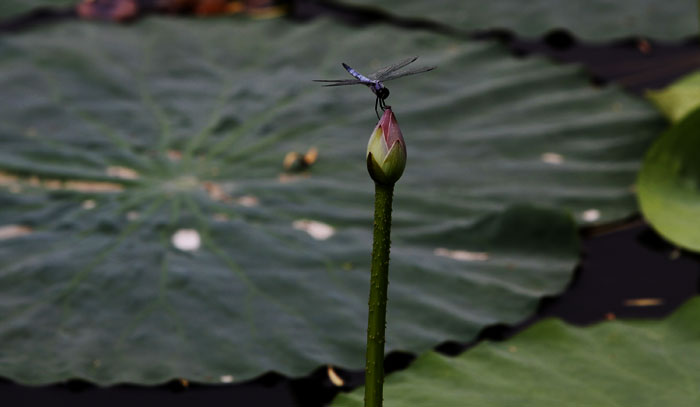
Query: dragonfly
x=375, y=81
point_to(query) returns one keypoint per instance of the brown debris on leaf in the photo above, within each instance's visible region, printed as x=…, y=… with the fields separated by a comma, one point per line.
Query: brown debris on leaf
x=126, y=10
x=296, y=162
x=216, y=192
x=16, y=184
x=112, y=10
x=644, y=302
x=13, y=231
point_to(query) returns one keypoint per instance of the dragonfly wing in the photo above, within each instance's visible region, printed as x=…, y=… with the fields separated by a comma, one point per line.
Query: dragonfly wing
x=384, y=72
x=340, y=82
x=397, y=75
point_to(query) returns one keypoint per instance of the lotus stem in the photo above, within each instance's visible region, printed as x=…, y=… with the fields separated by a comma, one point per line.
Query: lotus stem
x=379, y=282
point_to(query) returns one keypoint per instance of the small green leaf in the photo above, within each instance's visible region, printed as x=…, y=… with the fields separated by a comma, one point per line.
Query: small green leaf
x=620, y=363
x=668, y=187
x=678, y=99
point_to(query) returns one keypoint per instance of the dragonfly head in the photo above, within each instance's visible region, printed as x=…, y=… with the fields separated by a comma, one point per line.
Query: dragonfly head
x=382, y=93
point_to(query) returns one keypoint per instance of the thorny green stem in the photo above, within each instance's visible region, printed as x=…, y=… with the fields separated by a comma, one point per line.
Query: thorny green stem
x=379, y=282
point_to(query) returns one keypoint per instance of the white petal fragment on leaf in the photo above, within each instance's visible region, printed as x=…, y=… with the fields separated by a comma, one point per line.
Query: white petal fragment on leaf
x=461, y=255
x=122, y=172
x=591, y=215
x=552, y=158
x=89, y=204
x=334, y=377
x=220, y=217
x=317, y=230
x=248, y=201
x=187, y=240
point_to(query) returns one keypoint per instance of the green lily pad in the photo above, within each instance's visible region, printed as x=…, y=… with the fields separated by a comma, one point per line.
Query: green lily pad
x=596, y=20
x=149, y=231
x=678, y=99
x=13, y=8
x=620, y=363
x=669, y=183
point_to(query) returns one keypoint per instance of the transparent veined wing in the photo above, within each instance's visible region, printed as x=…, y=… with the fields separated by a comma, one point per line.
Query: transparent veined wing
x=380, y=74
x=401, y=74
x=340, y=82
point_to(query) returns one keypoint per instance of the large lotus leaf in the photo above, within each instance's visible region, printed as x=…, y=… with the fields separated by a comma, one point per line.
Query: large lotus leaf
x=669, y=183
x=679, y=98
x=149, y=233
x=620, y=363
x=591, y=19
x=12, y=8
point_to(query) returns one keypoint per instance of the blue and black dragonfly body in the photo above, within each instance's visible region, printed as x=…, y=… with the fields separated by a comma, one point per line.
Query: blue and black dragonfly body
x=376, y=80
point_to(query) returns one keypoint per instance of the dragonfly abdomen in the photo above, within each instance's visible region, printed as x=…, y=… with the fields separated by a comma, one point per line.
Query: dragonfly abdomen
x=356, y=74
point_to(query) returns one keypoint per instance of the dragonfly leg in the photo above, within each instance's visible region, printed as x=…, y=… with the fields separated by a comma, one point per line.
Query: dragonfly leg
x=376, y=102
x=382, y=104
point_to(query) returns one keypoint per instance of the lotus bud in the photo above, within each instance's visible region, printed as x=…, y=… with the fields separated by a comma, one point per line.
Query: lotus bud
x=386, y=150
